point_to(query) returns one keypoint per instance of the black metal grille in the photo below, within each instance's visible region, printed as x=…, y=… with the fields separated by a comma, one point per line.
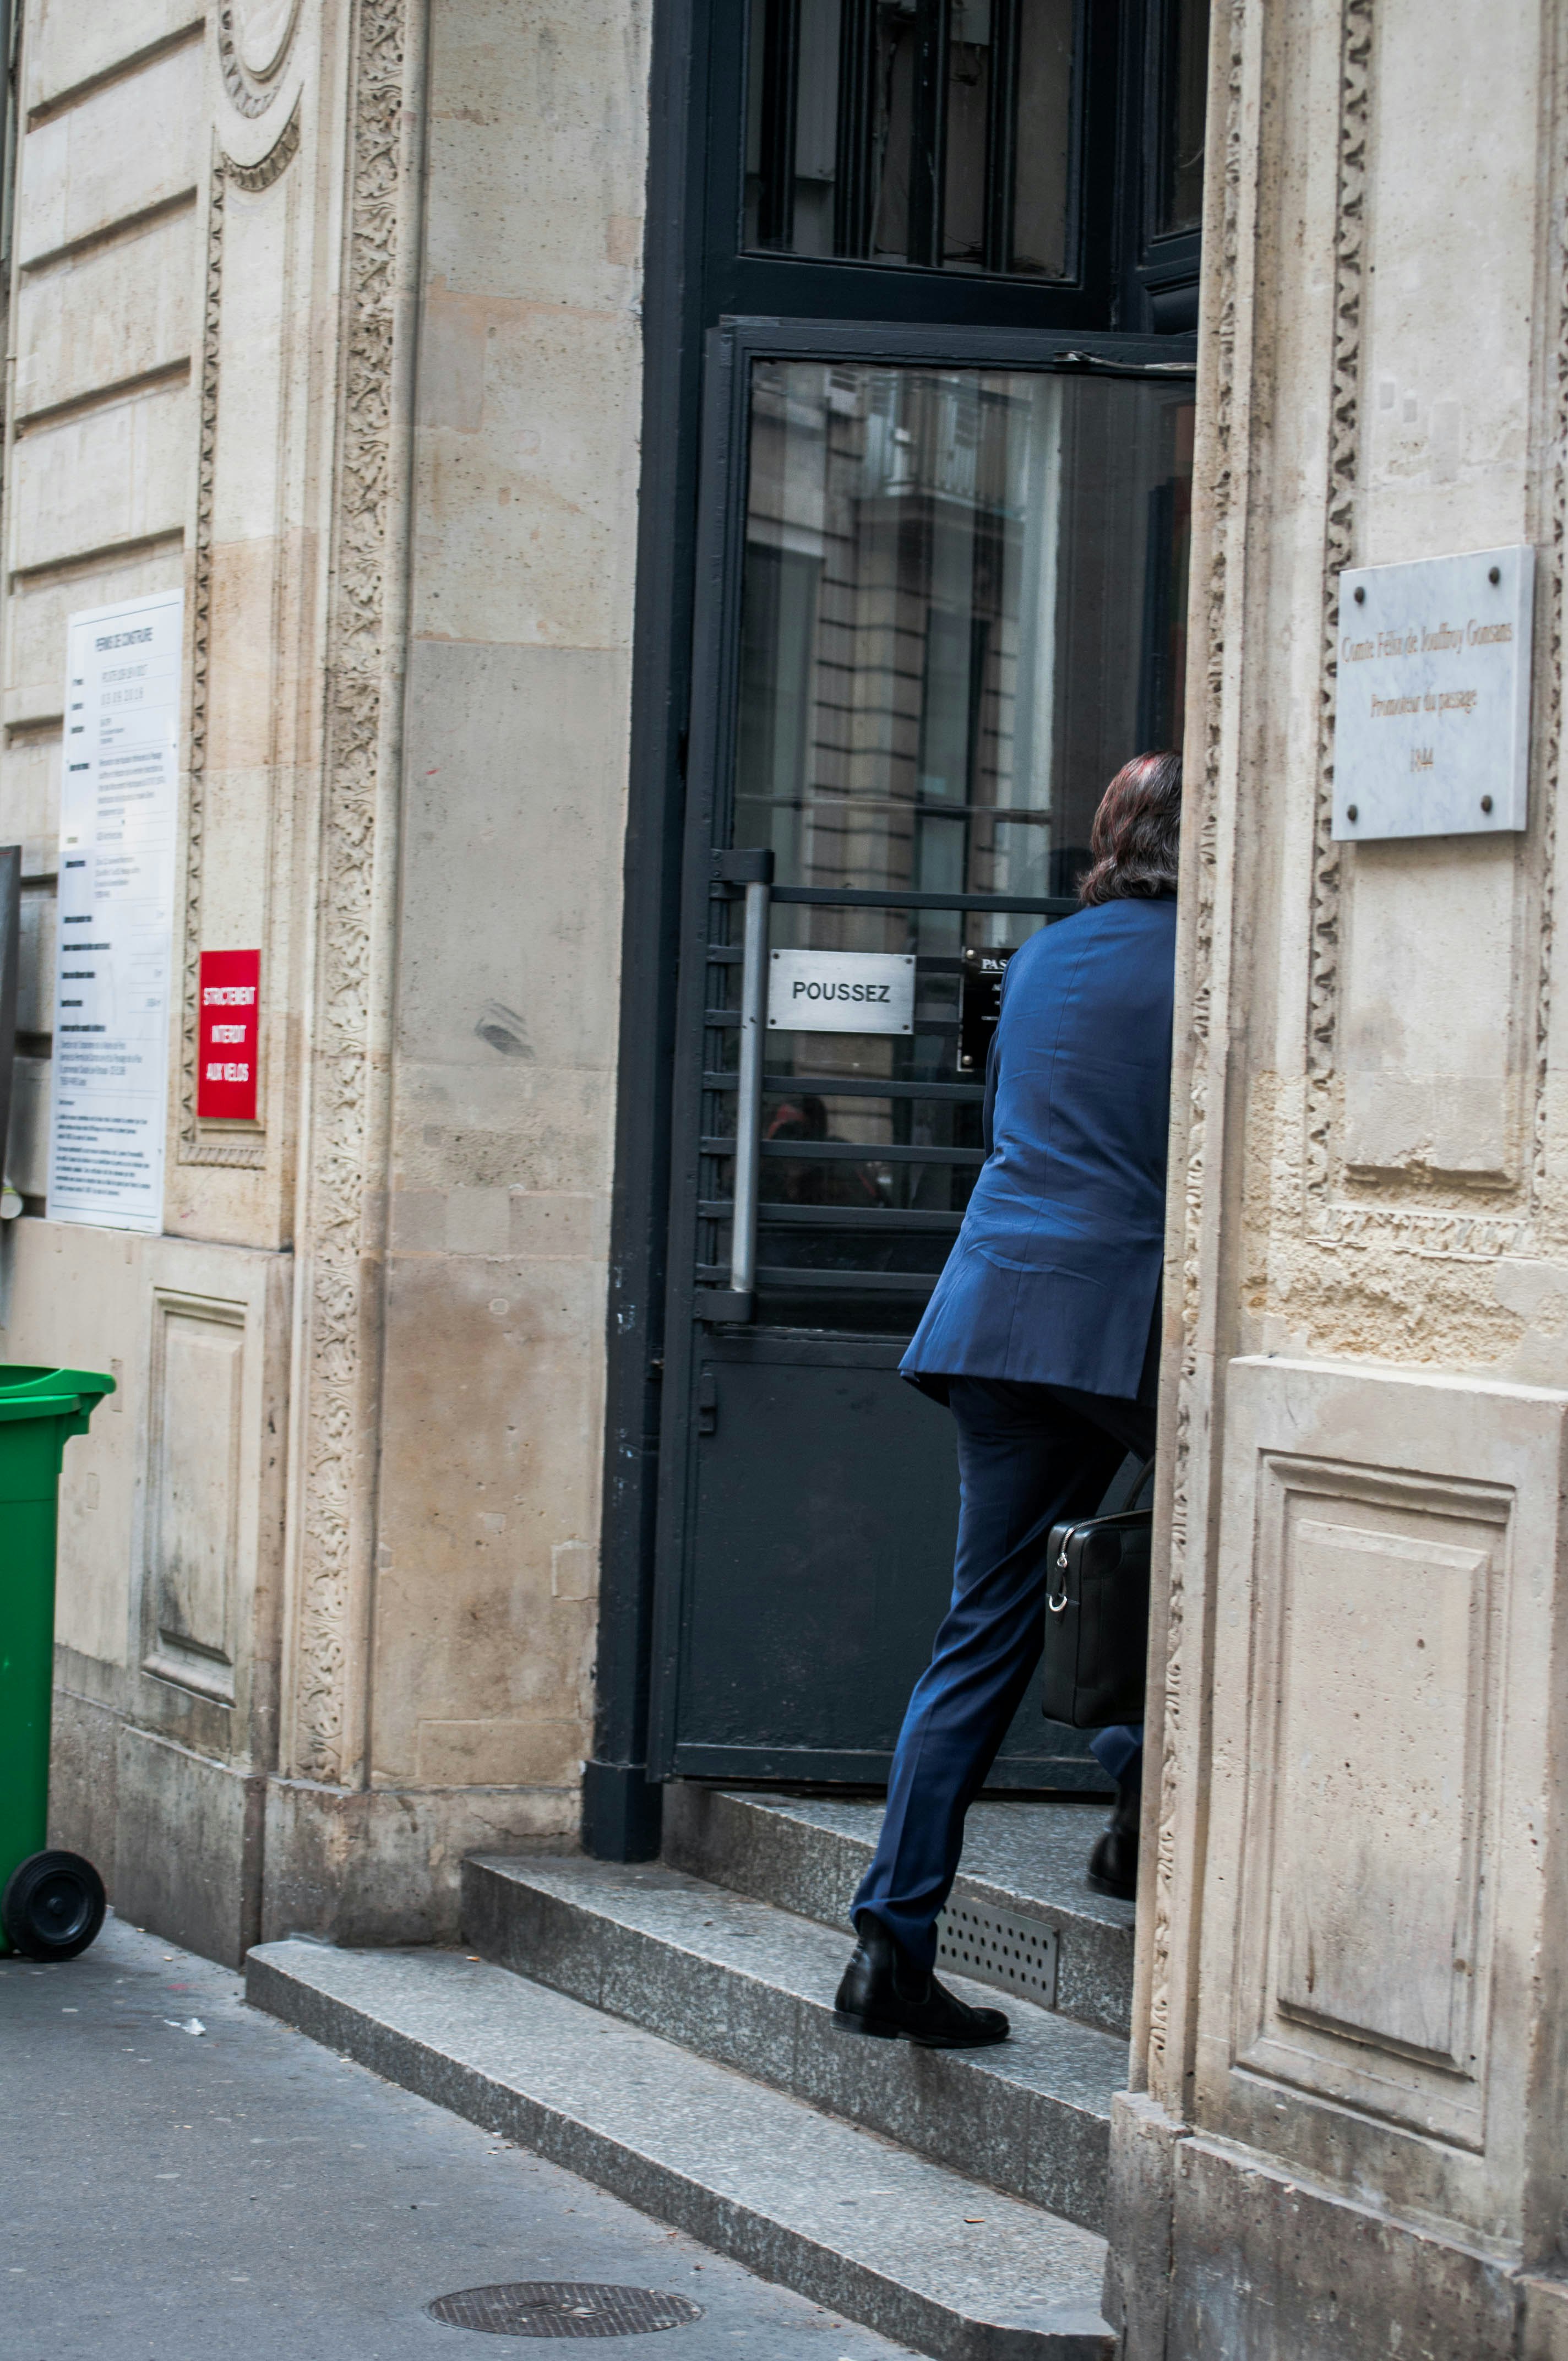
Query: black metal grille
x=563, y=2307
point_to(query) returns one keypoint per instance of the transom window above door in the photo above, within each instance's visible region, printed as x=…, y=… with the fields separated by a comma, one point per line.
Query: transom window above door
x=1001, y=139
x=889, y=131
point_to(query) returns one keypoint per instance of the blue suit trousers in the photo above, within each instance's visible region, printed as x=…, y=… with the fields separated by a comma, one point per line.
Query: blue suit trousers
x=1029, y=1456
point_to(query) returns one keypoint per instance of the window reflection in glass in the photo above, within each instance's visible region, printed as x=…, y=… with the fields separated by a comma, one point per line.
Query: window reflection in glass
x=1185, y=96
x=1042, y=132
x=934, y=132
x=830, y=1203
x=810, y=1138
x=963, y=607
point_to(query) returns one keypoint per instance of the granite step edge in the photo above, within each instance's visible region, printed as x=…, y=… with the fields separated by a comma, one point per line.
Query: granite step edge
x=459, y=2035
x=758, y=1845
x=751, y=1986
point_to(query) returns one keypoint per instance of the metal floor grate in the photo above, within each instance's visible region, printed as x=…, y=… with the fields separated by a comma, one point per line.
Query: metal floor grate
x=997, y=1947
x=563, y=2307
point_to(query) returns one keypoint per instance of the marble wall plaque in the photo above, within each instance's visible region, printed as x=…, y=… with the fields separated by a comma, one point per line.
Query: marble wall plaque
x=1432, y=736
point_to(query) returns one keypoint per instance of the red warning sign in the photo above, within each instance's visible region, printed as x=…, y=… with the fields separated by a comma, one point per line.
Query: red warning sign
x=228, y=1032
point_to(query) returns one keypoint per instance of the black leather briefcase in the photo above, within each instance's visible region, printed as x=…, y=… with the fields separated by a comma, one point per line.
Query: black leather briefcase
x=1097, y=1615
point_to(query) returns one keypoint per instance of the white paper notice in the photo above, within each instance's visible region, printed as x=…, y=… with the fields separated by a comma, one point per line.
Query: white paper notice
x=119, y=802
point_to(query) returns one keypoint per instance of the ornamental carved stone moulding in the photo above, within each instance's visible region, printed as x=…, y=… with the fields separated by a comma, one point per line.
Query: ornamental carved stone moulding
x=1401, y=1215
x=254, y=40
x=1203, y=823
x=211, y=1143
x=347, y=1123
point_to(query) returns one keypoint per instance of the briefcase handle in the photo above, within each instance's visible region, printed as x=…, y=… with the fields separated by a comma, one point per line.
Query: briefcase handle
x=1057, y=1601
x=1127, y=1487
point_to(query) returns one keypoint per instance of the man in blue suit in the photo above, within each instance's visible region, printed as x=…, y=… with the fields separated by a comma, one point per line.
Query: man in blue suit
x=1042, y=1337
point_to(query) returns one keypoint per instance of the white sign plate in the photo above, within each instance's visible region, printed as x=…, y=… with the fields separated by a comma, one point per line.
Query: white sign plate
x=842, y=991
x=118, y=814
x=1431, y=735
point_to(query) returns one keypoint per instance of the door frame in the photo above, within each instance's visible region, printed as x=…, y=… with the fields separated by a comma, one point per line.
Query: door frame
x=694, y=274
x=731, y=350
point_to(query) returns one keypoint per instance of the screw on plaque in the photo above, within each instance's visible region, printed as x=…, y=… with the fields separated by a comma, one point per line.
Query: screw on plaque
x=1360, y=595
x=1350, y=811
x=1487, y=803
x=1493, y=573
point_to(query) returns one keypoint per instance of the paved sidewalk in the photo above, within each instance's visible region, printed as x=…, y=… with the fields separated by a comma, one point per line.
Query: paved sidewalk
x=240, y=2192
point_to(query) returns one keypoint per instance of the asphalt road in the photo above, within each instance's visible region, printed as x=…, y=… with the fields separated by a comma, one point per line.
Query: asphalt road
x=237, y=2192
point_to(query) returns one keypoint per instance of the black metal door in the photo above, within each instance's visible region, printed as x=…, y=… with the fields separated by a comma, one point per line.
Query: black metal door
x=941, y=600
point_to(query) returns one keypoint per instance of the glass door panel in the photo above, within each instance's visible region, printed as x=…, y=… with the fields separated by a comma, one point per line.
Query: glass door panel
x=957, y=618
x=960, y=610
x=942, y=604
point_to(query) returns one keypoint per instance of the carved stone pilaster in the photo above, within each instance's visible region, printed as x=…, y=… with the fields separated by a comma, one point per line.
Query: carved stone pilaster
x=344, y=1176
x=1344, y=416
x=196, y=1146
x=1392, y=1217
x=201, y=629
x=1202, y=799
x=1552, y=589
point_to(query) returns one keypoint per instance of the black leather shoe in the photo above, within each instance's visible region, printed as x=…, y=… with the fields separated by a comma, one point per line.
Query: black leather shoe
x=1114, y=1863
x=884, y=1993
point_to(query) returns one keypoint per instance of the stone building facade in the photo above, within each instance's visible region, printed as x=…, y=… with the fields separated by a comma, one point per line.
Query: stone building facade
x=1350, y=2024
x=240, y=236
x=333, y=317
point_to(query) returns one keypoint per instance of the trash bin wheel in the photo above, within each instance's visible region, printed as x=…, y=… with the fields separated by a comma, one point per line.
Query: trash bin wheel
x=52, y=1906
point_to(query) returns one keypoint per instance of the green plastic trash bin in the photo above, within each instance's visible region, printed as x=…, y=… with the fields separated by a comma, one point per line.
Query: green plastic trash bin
x=51, y=1904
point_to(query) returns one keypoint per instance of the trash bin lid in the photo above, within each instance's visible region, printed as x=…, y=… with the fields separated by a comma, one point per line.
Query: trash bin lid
x=29, y=1390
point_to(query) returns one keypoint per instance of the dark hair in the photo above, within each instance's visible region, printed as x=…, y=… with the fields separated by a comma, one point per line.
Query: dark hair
x=1136, y=831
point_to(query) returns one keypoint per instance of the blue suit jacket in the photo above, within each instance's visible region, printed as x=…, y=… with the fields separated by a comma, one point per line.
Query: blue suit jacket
x=1054, y=1277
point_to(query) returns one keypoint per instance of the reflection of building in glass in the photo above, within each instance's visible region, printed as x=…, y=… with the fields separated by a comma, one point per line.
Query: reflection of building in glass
x=939, y=672
x=962, y=612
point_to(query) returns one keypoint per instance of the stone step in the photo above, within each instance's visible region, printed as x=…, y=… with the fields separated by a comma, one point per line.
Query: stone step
x=808, y=1853
x=752, y=1986
x=921, y=2254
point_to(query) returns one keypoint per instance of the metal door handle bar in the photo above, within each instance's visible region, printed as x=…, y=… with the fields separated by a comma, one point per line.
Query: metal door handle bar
x=753, y=872
x=749, y=1102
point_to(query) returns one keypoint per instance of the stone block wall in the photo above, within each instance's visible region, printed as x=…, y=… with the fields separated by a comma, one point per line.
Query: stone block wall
x=329, y=316
x=1350, y=2032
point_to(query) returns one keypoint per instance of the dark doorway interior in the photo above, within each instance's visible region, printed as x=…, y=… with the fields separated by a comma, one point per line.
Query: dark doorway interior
x=922, y=282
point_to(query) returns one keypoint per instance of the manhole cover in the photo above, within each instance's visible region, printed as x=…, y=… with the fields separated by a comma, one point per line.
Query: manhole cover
x=563, y=2307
